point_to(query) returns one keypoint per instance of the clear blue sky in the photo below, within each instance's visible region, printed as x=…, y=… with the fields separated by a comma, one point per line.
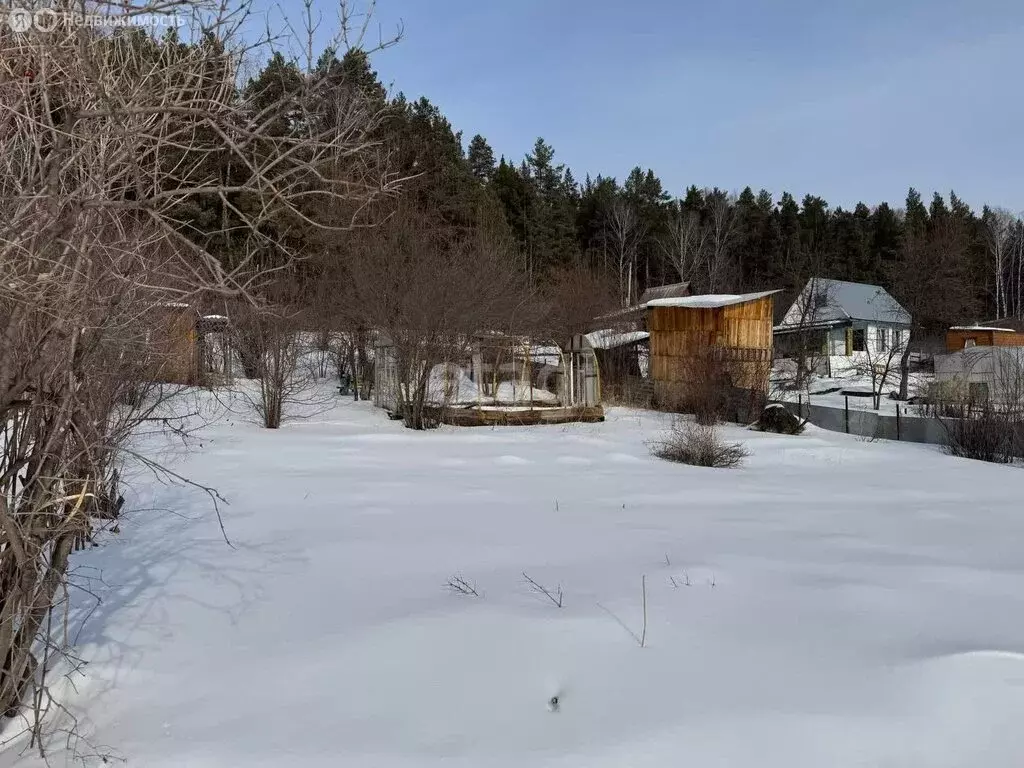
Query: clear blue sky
x=849, y=100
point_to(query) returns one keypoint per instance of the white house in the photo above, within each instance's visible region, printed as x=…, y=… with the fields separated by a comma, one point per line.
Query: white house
x=844, y=320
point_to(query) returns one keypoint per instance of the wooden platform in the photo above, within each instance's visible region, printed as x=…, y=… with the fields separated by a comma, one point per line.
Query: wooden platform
x=479, y=417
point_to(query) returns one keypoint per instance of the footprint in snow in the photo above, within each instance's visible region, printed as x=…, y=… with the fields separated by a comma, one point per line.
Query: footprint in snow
x=623, y=458
x=511, y=460
x=576, y=460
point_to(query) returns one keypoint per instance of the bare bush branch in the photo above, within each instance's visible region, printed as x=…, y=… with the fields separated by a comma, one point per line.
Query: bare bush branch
x=555, y=598
x=140, y=181
x=460, y=586
x=698, y=445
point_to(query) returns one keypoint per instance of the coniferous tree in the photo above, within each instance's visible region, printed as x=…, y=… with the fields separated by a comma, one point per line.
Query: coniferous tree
x=644, y=191
x=747, y=239
x=481, y=158
x=596, y=197
x=730, y=244
x=789, y=227
x=551, y=220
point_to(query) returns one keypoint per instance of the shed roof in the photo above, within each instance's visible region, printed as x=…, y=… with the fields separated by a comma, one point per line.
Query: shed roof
x=709, y=301
x=1004, y=323
x=609, y=338
x=671, y=291
x=981, y=328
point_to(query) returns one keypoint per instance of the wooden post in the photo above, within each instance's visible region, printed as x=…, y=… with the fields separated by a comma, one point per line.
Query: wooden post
x=846, y=413
x=897, y=421
x=800, y=405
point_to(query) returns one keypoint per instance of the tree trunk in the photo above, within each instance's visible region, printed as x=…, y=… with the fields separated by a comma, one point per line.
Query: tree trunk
x=19, y=664
x=354, y=375
x=905, y=368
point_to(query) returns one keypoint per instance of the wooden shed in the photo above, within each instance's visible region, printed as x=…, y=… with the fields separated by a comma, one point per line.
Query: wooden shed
x=171, y=335
x=183, y=347
x=997, y=333
x=733, y=331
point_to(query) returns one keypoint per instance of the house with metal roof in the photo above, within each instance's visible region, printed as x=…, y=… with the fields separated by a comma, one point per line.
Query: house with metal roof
x=837, y=318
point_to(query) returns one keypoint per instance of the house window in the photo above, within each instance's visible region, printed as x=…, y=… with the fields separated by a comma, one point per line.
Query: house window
x=882, y=339
x=859, y=340
x=819, y=341
x=969, y=343
x=978, y=392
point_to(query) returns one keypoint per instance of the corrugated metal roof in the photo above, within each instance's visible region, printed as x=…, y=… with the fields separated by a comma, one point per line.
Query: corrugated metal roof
x=672, y=291
x=609, y=338
x=853, y=301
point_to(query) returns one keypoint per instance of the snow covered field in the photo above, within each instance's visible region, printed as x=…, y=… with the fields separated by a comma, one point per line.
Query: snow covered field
x=832, y=603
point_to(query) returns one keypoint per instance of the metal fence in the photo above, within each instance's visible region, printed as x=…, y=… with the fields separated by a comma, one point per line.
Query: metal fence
x=896, y=425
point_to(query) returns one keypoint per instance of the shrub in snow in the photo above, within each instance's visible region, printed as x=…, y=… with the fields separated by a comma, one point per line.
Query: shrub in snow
x=699, y=445
x=775, y=418
x=714, y=389
x=990, y=435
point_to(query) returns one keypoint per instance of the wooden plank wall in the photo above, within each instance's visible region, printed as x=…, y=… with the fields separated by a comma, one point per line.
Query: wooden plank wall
x=174, y=355
x=955, y=339
x=742, y=333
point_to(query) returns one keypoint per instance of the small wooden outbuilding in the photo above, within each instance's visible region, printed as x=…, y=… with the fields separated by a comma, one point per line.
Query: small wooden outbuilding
x=733, y=332
x=994, y=333
x=171, y=336
x=184, y=347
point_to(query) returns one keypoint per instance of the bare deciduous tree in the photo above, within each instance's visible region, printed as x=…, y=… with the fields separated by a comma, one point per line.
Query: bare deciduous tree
x=722, y=224
x=625, y=233
x=428, y=288
x=881, y=360
x=286, y=384
x=573, y=301
x=998, y=227
x=109, y=145
x=807, y=339
x=701, y=244
x=684, y=243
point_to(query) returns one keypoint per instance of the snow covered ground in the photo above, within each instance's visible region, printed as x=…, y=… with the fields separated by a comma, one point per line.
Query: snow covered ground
x=832, y=603
x=818, y=389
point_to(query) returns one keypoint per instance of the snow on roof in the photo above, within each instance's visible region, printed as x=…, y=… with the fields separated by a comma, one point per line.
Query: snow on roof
x=709, y=301
x=215, y=317
x=609, y=338
x=1011, y=323
x=980, y=328
x=785, y=327
x=855, y=301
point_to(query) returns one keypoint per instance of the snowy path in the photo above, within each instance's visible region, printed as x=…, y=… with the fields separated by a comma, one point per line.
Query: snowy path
x=849, y=604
